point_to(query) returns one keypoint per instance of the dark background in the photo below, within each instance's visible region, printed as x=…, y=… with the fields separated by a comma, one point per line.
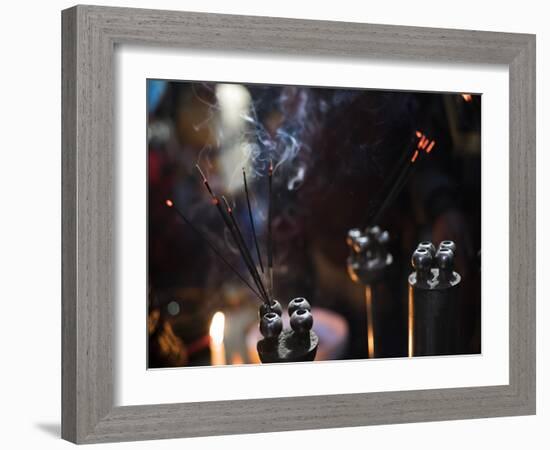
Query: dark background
x=333, y=149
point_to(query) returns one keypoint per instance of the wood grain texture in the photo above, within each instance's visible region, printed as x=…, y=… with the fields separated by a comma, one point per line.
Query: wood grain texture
x=68, y=227
x=89, y=37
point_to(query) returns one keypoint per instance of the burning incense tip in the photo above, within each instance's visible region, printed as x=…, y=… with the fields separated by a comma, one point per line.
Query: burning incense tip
x=205, y=182
x=229, y=210
x=430, y=147
x=467, y=97
x=425, y=143
x=413, y=159
x=201, y=172
x=270, y=167
x=418, y=134
x=169, y=203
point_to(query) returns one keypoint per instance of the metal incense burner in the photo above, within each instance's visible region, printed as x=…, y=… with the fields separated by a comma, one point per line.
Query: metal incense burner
x=297, y=344
x=368, y=263
x=433, y=301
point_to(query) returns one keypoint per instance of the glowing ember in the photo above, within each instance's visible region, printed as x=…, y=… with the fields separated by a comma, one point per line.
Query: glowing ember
x=423, y=142
x=430, y=147
x=169, y=203
x=467, y=97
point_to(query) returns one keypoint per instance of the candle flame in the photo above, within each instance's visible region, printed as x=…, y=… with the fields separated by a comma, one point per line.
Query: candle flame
x=217, y=327
x=411, y=324
x=169, y=203
x=370, y=322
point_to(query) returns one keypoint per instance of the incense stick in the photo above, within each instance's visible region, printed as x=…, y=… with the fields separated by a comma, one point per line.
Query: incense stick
x=251, y=217
x=228, y=223
x=404, y=170
x=383, y=192
x=243, y=248
x=170, y=204
x=392, y=195
x=269, y=230
x=205, y=181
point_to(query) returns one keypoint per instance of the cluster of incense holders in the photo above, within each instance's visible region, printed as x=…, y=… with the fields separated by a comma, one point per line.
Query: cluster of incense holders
x=295, y=345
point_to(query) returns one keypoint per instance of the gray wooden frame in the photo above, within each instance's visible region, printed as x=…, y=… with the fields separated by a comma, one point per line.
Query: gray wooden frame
x=90, y=34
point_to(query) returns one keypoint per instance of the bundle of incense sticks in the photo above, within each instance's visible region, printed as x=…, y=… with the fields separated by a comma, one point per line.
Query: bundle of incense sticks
x=231, y=224
x=399, y=177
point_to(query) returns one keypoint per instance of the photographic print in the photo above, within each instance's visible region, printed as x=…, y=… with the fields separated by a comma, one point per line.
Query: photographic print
x=299, y=223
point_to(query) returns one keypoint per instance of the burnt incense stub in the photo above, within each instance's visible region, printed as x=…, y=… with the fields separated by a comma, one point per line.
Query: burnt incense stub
x=369, y=256
x=295, y=345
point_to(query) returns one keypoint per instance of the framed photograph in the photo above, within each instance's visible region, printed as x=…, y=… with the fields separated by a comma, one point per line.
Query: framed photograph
x=277, y=224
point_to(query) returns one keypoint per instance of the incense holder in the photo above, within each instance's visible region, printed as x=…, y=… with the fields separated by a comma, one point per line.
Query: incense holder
x=433, y=301
x=298, y=344
x=369, y=256
x=275, y=307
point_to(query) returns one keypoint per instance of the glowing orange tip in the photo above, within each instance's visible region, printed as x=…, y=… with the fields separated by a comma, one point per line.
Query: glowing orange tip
x=413, y=159
x=169, y=203
x=430, y=147
x=467, y=97
x=418, y=134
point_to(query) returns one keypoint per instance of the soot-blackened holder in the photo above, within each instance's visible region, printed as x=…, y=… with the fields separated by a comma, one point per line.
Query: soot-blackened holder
x=433, y=297
x=295, y=345
x=369, y=257
x=368, y=263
